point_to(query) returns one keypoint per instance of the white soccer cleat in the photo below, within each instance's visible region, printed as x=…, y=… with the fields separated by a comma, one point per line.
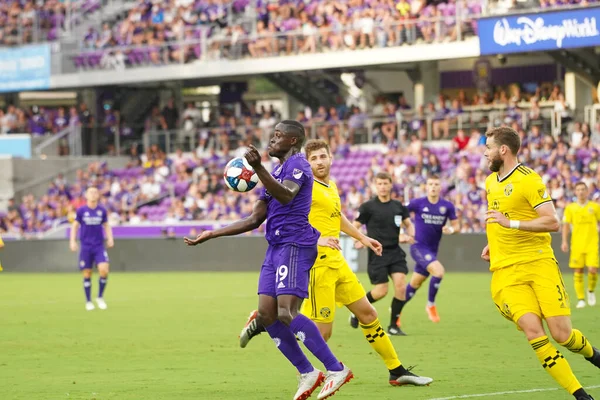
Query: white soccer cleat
x=591, y=298
x=89, y=306
x=308, y=383
x=334, y=381
x=101, y=303
x=410, y=379
x=581, y=304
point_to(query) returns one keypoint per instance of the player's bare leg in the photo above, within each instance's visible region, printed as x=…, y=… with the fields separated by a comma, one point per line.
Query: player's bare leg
x=269, y=313
x=307, y=332
x=87, y=288
x=437, y=271
x=103, y=269
x=579, y=287
x=551, y=359
x=592, y=281
x=378, y=292
x=381, y=343
x=398, y=302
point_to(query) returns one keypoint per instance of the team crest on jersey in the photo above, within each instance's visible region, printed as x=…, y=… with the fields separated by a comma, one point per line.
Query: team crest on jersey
x=87, y=214
x=543, y=193
x=397, y=219
x=442, y=210
x=297, y=173
x=425, y=209
x=99, y=213
x=508, y=189
x=325, y=312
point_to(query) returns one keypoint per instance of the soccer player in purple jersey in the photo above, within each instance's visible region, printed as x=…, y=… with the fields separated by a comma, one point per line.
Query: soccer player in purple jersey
x=283, y=282
x=92, y=218
x=430, y=214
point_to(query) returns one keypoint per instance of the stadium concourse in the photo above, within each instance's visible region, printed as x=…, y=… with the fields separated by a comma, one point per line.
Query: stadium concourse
x=189, y=186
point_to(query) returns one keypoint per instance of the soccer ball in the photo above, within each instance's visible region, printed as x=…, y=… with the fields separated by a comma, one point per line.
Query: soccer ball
x=239, y=175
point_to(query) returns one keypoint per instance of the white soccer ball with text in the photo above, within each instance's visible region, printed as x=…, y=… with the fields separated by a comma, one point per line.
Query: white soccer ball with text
x=239, y=175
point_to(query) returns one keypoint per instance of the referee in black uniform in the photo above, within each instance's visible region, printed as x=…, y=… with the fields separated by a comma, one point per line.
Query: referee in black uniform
x=383, y=218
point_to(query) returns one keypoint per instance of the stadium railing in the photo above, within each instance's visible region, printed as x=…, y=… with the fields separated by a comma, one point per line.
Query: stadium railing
x=197, y=44
x=375, y=129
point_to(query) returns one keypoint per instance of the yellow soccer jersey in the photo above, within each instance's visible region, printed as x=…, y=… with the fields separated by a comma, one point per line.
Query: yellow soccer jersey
x=584, y=221
x=326, y=216
x=516, y=196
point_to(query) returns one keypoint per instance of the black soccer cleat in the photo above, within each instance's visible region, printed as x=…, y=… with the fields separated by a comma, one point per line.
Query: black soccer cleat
x=353, y=321
x=585, y=397
x=395, y=331
x=595, y=358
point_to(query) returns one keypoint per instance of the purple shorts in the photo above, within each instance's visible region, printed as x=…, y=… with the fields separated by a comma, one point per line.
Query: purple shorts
x=286, y=270
x=423, y=257
x=92, y=255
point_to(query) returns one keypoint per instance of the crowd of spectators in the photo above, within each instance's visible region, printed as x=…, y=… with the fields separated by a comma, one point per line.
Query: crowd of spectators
x=156, y=188
x=164, y=32
x=27, y=21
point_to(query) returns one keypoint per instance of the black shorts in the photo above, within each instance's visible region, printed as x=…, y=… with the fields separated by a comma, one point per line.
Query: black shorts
x=390, y=262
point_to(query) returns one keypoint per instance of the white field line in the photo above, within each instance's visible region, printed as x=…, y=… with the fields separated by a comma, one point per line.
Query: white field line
x=469, y=396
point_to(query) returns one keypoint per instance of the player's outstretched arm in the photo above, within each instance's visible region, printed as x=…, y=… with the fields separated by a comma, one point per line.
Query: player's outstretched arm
x=350, y=229
x=258, y=216
x=547, y=221
x=73, y=241
x=284, y=192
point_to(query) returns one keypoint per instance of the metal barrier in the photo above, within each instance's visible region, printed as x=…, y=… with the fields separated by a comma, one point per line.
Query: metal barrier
x=71, y=136
x=591, y=115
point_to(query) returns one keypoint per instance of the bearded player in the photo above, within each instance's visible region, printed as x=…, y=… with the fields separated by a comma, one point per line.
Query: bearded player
x=284, y=276
x=331, y=280
x=527, y=286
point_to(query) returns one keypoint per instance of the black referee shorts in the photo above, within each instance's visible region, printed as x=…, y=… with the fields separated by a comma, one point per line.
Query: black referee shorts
x=390, y=262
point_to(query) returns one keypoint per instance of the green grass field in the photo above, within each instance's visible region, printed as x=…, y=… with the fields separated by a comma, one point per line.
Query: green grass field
x=173, y=336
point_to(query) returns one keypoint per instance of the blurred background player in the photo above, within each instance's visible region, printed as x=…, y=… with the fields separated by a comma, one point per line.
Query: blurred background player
x=430, y=214
x=283, y=282
x=527, y=285
x=1, y=246
x=583, y=215
x=383, y=218
x=331, y=279
x=92, y=218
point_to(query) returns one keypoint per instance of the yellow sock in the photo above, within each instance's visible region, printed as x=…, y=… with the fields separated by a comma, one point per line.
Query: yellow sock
x=592, y=281
x=577, y=343
x=555, y=364
x=579, y=289
x=381, y=343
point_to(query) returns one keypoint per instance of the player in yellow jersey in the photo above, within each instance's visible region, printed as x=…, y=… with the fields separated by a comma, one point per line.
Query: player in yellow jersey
x=1, y=246
x=527, y=285
x=332, y=282
x=583, y=215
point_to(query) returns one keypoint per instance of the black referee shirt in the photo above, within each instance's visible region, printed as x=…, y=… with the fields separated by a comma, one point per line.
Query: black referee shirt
x=383, y=220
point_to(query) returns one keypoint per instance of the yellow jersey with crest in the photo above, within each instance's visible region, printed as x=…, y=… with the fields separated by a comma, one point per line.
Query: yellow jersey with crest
x=326, y=217
x=517, y=196
x=584, y=221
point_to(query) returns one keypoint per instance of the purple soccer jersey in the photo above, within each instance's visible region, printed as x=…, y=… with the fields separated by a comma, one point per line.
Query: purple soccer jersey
x=91, y=236
x=292, y=240
x=429, y=222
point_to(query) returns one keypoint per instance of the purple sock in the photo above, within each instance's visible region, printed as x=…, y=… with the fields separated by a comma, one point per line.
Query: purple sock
x=434, y=285
x=286, y=343
x=309, y=334
x=87, y=288
x=410, y=292
x=102, y=284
